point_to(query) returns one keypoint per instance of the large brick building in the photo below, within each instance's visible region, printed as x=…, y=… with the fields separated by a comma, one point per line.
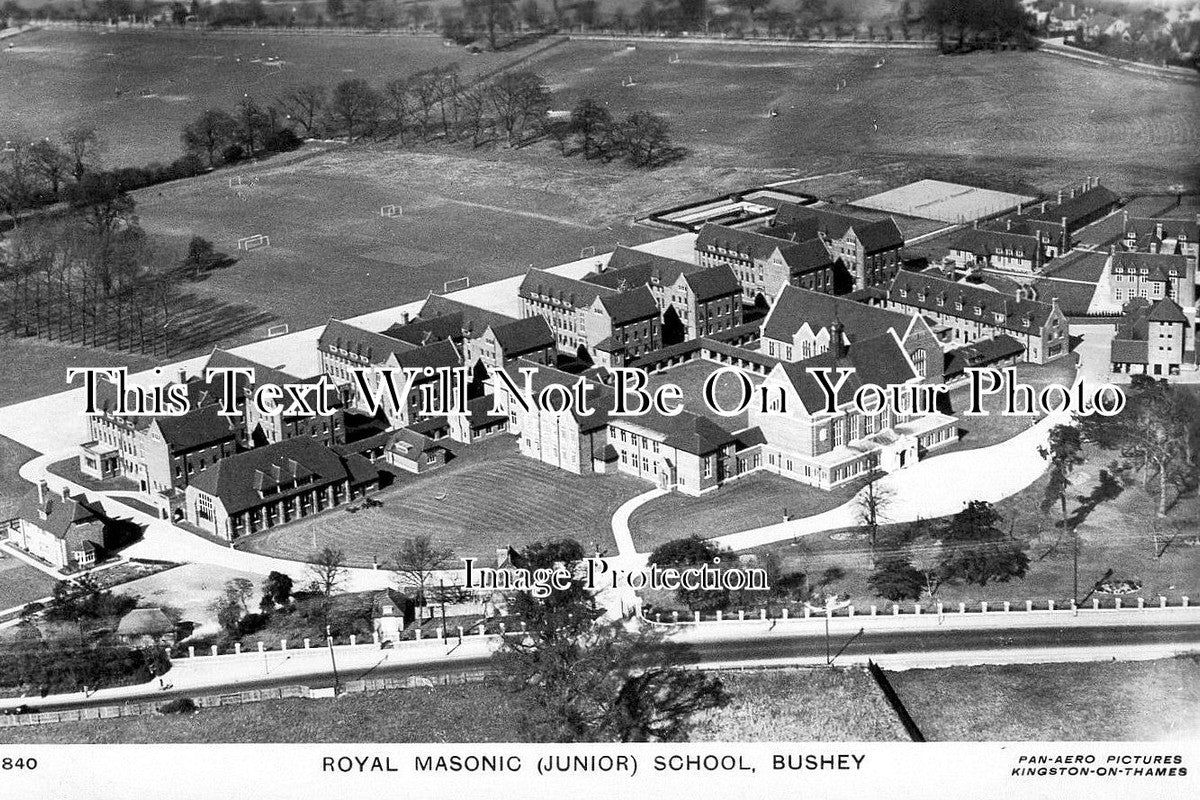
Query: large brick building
x=765, y=264
x=869, y=249
x=1153, y=338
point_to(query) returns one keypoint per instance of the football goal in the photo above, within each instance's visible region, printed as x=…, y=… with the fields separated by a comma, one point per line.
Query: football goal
x=455, y=285
x=391, y=211
x=254, y=242
x=277, y=330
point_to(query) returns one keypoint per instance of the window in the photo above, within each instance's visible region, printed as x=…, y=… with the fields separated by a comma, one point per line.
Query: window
x=708, y=468
x=920, y=359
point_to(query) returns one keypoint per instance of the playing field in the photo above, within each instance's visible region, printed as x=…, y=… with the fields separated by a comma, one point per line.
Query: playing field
x=139, y=88
x=1046, y=117
x=498, y=499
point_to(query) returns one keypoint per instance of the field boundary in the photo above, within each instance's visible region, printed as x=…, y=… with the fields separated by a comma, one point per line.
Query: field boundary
x=828, y=44
x=893, y=699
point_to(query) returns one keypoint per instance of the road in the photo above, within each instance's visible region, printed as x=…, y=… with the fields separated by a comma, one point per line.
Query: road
x=891, y=648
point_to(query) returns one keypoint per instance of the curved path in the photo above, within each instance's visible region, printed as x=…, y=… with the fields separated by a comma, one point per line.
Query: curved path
x=936, y=487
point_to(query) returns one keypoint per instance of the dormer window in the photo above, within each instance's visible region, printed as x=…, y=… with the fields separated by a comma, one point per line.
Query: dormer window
x=998, y=317
x=978, y=309
x=1025, y=322
x=903, y=293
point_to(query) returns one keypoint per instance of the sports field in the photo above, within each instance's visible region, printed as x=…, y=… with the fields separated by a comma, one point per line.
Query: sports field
x=1043, y=116
x=139, y=88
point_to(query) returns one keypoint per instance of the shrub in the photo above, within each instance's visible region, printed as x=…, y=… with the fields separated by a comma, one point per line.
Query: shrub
x=252, y=623
x=180, y=705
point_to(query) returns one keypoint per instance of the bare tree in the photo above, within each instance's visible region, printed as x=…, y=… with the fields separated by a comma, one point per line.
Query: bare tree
x=83, y=146
x=304, y=105
x=417, y=558
x=871, y=505
x=518, y=99
x=50, y=162
x=209, y=134
x=328, y=569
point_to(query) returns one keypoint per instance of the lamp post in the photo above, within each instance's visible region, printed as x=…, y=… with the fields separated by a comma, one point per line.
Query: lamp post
x=332, y=660
x=832, y=604
x=1096, y=586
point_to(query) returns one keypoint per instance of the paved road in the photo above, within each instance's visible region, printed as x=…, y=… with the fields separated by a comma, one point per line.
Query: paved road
x=896, y=649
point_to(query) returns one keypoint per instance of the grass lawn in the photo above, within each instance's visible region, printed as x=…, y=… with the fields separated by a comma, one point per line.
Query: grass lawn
x=994, y=427
x=1105, y=701
x=751, y=502
x=493, y=497
x=139, y=88
x=30, y=368
x=1116, y=535
x=782, y=705
x=12, y=486
x=21, y=583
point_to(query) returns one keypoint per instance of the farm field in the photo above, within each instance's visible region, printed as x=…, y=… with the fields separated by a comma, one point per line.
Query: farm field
x=779, y=705
x=139, y=88
x=1149, y=701
x=489, y=498
x=1043, y=118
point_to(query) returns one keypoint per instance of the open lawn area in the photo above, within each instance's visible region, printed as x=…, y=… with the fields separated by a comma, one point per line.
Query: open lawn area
x=994, y=427
x=30, y=368
x=12, y=486
x=778, y=705
x=21, y=583
x=489, y=497
x=1116, y=535
x=1046, y=119
x=1155, y=701
x=139, y=88
x=754, y=501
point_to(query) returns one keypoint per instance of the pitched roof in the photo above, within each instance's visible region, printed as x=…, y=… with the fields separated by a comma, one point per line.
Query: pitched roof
x=406, y=441
x=474, y=319
x=630, y=306
x=714, y=282
x=760, y=246
x=1158, y=266
x=1145, y=229
x=982, y=353
x=796, y=306
x=879, y=360
x=539, y=283
x=1166, y=310
x=436, y=355
x=599, y=396
x=363, y=345
x=686, y=431
x=984, y=242
x=1080, y=206
x=223, y=359
x=144, y=621
x=246, y=480
x=805, y=222
x=524, y=335
x=199, y=427
x=629, y=268
x=1129, y=351
x=421, y=332
x=62, y=514
x=923, y=290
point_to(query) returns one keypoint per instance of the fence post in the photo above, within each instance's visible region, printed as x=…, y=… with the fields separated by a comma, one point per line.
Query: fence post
x=375, y=637
x=719, y=616
x=962, y=608
x=1007, y=605
x=1029, y=605
x=895, y=609
x=283, y=644
x=1185, y=601
x=353, y=639
x=1162, y=601
x=785, y=612
x=1117, y=602
x=697, y=616
x=916, y=608
x=762, y=613
x=807, y=612
x=441, y=633
x=1141, y=602
x=741, y=615
x=420, y=633
x=940, y=607
x=1049, y=605
x=261, y=647
x=191, y=651
x=307, y=644
x=214, y=649
x=983, y=607
x=1095, y=604
x=874, y=611
x=237, y=648
x=850, y=611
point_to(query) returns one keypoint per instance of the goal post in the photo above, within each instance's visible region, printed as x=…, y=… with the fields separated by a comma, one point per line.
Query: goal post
x=587, y=252
x=391, y=211
x=277, y=330
x=236, y=181
x=457, y=284
x=254, y=242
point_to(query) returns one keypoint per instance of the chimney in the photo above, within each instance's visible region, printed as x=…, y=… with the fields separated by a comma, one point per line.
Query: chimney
x=1112, y=249
x=43, y=493
x=66, y=492
x=1158, y=230
x=1008, y=224
x=404, y=317
x=1043, y=206
x=182, y=375
x=1125, y=218
x=1060, y=197
x=1018, y=209
x=1072, y=192
x=836, y=345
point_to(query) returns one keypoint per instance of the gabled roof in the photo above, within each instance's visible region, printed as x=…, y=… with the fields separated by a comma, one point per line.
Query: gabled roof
x=796, y=306
x=879, y=360
x=630, y=306
x=708, y=284
x=249, y=479
x=198, y=428
x=421, y=332
x=1158, y=266
x=923, y=290
x=62, y=514
x=223, y=359
x=686, y=431
x=1146, y=229
x=753, y=245
x=1080, y=206
x=1166, y=310
x=145, y=621
x=628, y=268
x=982, y=353
x=984, y=242
x=474, y=319
x=599, y=396
x=524, y=335
x=437, y=355
x=805, y=222
x=539, y=283
x=411, y=443
x=367, y=346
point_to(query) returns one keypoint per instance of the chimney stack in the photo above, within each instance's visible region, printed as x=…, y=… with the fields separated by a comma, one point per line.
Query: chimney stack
x=66, y=492
x=43, y=493
x=1043, y=206
x=1060, y=197
x=404, y=317
x=836, y=345
x=182, y=375
x=1008, y=224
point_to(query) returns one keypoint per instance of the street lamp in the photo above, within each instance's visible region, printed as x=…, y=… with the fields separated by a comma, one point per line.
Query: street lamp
x=833, y=604
x=332, y=660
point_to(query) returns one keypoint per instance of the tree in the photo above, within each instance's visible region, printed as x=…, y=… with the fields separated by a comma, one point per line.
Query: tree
x=228, y=612
x=83, y=145
x=210, y=134
x=200, y=256
x=495, y=16
x=277, y=588
x=355, y=106
x=518, y=98
x=871, y=504
x=255, y=126
x=580, y=679
x=304, y=105
x=975, y=550
x=328, y=569
x=645, y=137
x=104, y=208
x=50, y=162
x=693, y=551
x=895, y=578
x=239, y=590
x=417, y=558
x=1064, y=451
x=589, y=120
